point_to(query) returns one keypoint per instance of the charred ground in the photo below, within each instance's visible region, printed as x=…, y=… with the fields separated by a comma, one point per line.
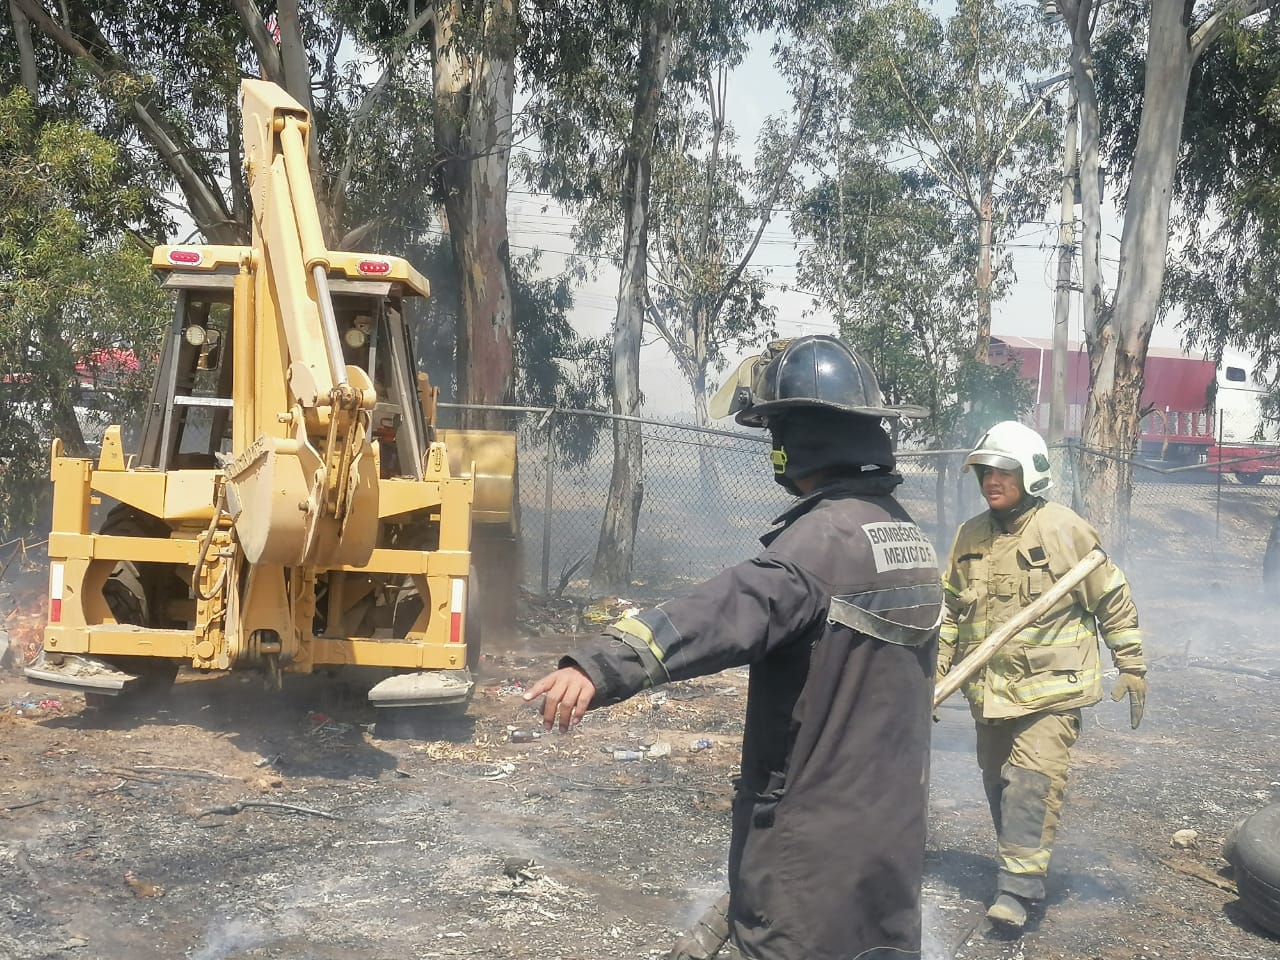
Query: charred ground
x=127, y=835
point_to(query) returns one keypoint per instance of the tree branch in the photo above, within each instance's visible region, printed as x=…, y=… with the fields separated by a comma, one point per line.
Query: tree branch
x=1231, y=12
x=1009, y=140
x=26, y=52
x=338, y=192
x=263, y=44
x=207, y=205
x=961, y=180
x=765, y=212
x=679, y=349
x=715, y=101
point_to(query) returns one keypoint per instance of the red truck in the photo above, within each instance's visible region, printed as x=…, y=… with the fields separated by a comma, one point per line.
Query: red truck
x=1187, y=400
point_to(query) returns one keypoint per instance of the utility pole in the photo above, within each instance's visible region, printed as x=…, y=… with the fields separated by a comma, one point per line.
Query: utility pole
x=1062, y=299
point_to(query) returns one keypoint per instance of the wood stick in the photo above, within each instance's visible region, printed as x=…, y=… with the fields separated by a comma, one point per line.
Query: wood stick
x=1200, y=872
x=240, y=805
x=982, y=654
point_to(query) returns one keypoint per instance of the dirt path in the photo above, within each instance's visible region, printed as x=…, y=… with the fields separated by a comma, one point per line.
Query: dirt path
x=107, y=849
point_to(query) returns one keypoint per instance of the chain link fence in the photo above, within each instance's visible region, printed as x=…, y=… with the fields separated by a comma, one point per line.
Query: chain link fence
x=708, y=495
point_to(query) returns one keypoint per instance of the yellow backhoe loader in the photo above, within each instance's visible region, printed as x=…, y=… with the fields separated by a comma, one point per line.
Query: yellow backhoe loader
x=291, y=505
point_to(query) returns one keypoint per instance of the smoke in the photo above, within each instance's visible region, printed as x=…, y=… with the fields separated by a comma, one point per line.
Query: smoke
x=933, y=945
x=700, y=901
x=225, y=937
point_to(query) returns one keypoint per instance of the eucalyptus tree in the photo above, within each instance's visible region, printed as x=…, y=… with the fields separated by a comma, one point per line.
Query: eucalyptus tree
x=76, y=295
x=710, y=210
x=1176, y=36
x=960, y=99
x=599, y=74
x=1225, y=272
x=891, y=262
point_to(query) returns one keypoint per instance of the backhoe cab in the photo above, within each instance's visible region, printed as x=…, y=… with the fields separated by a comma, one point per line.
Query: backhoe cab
x=291, y=504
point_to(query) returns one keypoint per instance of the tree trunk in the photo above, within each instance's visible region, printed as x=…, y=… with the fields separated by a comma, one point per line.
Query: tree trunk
x=235, y=165
x=709, y=489
x=982, y=277
x=474, y=91
x=614, y=554
x=1062, y=300
x=1086, y=93
x=26, y=52
x=1118, y=343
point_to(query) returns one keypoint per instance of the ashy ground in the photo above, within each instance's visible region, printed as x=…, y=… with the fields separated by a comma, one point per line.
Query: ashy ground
x=225, y=821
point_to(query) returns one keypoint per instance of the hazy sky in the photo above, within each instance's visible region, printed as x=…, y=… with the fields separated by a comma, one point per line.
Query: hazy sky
x=756, y=92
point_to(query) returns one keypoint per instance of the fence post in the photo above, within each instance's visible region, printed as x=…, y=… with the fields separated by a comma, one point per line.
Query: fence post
x=548, y=498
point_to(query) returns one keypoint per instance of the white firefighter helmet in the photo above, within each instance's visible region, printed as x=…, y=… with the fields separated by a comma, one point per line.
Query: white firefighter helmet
x=1010, y=445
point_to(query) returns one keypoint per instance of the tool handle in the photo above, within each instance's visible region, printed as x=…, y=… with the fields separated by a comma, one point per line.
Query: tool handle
x=982, y=654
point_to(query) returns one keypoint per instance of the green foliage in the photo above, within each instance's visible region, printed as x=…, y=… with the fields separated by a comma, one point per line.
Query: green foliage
x=556, y=367
x=926, y=126
x=1224, y=273
x=706, y=300
x=75, y=292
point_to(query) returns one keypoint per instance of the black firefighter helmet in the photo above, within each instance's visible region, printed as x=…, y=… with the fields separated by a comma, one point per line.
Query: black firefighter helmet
x=814, y=371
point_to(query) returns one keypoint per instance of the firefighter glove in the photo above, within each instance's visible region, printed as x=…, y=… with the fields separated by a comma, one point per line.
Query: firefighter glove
x=1136, y=687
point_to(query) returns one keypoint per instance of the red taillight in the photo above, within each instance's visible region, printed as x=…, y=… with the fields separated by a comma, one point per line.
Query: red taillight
x=186, y=258
x=375, y=268
x=57, y=575
x=457, y=601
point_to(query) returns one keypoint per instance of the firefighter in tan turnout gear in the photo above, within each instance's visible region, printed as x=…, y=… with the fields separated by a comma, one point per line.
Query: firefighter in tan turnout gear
x=837, y=617
x=1027, y=701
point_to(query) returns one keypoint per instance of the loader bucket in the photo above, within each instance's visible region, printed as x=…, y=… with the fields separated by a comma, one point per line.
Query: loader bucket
x=492, y=453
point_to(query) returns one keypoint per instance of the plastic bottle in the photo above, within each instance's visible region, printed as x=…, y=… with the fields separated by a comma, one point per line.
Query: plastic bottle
x=628, y=755
x=524, y=736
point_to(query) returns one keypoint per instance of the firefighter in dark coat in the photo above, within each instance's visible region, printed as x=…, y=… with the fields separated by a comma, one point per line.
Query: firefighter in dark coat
x=838, y=619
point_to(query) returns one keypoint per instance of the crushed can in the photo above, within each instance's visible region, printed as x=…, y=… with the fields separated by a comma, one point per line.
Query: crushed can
x=702, y=744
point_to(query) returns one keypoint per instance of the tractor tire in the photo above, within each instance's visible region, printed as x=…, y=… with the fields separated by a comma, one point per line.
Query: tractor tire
x=1253, y=849
x=1249, y=479
x=418, y=722
x=121, y=591
x=407, y=611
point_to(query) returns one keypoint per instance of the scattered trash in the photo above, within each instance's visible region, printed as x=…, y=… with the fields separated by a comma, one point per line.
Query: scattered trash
x=34, y=708
x=659, y=750
x=524, y=736
x=276, y=761
x=608, y=610
x=325, y=726
x=656, y=700
x=141, y=888
x=1185, y=840
x=507, y=688
x=501, y=772
x=701, y=744
x=520, y=868
x=626, y=756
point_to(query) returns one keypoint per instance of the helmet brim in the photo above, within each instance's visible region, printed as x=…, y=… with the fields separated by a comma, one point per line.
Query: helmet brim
x=985, y=458
x=757, y=414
